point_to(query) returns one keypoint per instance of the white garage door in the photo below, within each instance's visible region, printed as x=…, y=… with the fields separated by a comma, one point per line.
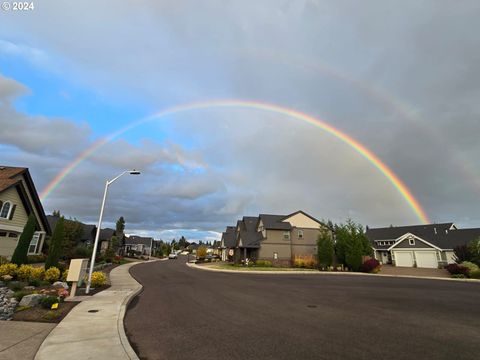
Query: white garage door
x=426, y=259
x=403, y=258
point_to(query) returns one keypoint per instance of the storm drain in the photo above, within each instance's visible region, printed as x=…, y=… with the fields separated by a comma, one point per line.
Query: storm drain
x=93, y=311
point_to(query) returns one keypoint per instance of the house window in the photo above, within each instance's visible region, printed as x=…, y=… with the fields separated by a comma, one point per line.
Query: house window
x=3, y=234
x=5, y=211
x=275, y=256
x=33, y=244
x=12, y=235
x=286, y=235
x=411, y=241
x=300, y=234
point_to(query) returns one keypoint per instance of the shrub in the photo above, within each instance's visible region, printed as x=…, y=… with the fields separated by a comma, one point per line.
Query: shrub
x=456, y=269
x=24, y=272
x=18, y=295
x=263, y=263
x=8, y=269
x=3, y=260
x=64, y=275
x=475, y=274
x=470, y=266
x=16, y=285
x=52, y=274
x=371, y=266
x=55, y=245
x=458, y=276
x=98, y=279
x=38, y=273
x=34, y=282
x=48, y=301
x=201, y=252
x=33, y=259
x=19, y=256
x=82, y=252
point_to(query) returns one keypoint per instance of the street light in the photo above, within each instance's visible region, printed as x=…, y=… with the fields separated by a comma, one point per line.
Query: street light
x=97, y=235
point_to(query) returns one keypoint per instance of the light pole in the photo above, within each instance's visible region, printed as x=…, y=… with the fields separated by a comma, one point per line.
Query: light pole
x=97, y=235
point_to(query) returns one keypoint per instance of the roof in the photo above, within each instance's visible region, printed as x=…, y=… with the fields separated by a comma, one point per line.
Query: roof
x=274, y=222
x=106, y=234
x=10, y=176
x=304, y=213
x=229, y=237
x=444, y=235
x=134, y=240
x=248, y=232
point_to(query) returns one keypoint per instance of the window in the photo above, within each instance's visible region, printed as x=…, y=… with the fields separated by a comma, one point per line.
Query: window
x=260, y=228
x=286, y=235
x=275, y=256
x=12, y=235
x=5, y=212
x=33, y=244
x=3, y=234
x=300, y=234
x=411, y=241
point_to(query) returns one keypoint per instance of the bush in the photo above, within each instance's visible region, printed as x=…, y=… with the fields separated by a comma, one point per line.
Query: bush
x=34, y=282
x=370, y=266
x=16, y=285
x=201, y=252
x=33, y=259
x=470, y=266
x=458, y=276
x=8, y=269
x=81, y=252
x=64, y=275
x=475, y=274
x=263, y=263
x=48, y=301
x=18, y=295
x=98, y=279
x=52, y=274
x=3, y=260
x=38, y=273
x=24, y=272
x=456, y=269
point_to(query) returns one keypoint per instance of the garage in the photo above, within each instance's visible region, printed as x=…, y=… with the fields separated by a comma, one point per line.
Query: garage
x=404, y=258
x=426, y=259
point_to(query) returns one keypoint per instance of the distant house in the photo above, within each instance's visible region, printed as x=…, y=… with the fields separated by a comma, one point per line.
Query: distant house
x=19, y=199
x=228, y=243
x=139, y=246
x=278, y=238
x=104, y=238
x=423, y=246
x=193, y=247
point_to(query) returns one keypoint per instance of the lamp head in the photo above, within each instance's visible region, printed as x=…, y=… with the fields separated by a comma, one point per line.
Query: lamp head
x=134, y=172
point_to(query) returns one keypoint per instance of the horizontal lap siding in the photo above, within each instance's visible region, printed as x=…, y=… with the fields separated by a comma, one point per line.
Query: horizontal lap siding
x=7, y=246
x=20, y=215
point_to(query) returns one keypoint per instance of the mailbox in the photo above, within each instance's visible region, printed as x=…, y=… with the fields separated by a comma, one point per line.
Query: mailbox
x=76, y=273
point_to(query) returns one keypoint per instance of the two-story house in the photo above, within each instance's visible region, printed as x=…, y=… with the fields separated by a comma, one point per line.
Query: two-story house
x=19, y=199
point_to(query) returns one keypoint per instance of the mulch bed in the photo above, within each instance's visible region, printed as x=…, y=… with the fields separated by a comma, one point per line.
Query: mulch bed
x=39, y=314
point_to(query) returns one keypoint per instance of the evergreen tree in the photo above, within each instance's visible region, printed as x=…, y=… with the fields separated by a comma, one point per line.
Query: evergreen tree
x=353, y=256
x=19, y=256
x=55, y=245
x=120, y=226
x=325, y=249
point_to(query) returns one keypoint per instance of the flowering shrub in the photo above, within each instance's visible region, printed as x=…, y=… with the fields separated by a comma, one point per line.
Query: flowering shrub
x=456, y=269
x=38, y=273
x=304, y=262
x=64, y=275
x=8, y=269
x=24, y=272
x=98, y=279
x=371, y=266
x=62, y=293
x=52, y=274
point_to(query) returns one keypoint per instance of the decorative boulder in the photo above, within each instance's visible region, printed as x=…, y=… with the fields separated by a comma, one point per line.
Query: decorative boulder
x=31, y=300
x=59, y=284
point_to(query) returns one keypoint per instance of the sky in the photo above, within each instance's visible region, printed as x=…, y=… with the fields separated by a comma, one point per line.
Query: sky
x=401, y=78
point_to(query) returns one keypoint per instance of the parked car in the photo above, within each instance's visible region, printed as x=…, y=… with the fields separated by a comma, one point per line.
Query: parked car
x=172, y=256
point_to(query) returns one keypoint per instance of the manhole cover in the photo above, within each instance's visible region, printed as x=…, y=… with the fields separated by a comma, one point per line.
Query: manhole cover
x=311, y=306
x=92, y=311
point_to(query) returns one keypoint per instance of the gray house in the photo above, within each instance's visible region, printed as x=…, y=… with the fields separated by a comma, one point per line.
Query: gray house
x=425, y=246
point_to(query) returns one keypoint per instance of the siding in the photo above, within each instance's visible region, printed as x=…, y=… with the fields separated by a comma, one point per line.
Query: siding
x=418, y=245
x=20, y=216
x=7, y=246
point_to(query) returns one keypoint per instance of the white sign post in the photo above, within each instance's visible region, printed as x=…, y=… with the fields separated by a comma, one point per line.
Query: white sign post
x=76, y=273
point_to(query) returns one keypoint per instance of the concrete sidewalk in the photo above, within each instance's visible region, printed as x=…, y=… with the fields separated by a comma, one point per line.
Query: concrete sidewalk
x=94, y=328
x=21, y=340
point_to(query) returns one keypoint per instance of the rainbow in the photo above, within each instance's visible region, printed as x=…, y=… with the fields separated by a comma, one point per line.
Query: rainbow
x=229, y=103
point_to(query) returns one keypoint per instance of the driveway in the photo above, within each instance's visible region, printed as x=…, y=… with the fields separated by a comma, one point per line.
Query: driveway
x=408, y=271
x=187, y=313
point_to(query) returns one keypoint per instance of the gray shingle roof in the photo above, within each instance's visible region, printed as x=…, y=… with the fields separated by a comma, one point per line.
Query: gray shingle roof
x=248, y=232
x=229, y=237
x=274, y=222
x=134, y=240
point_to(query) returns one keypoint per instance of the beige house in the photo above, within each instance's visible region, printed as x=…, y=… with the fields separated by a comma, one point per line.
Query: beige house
x=18, y=199
x=277, y=238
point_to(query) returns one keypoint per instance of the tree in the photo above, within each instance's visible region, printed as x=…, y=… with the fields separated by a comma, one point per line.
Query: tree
x=120, y=226
x=353, y=256
x=183, y=243
x=114, y=244
x=19, y=256
x=55, y=245
x=351, y=240
x=201, y=252
x=325, y=249
x=72, y=233
x=56, y=213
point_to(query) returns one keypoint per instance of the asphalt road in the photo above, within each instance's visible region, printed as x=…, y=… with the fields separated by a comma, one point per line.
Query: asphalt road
x=184, y=313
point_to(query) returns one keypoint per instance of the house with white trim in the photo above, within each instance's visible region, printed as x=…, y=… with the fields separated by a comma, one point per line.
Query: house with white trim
x=423, y=246
x=19, y=199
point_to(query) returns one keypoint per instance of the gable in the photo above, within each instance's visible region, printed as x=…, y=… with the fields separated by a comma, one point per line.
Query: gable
x=302, y=220
x=418, y=243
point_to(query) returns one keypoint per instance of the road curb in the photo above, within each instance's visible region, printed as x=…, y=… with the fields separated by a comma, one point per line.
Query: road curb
x=326, y=273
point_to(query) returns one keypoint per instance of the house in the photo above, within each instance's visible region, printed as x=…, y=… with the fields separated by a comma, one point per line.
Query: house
x=104, y=238
x=139, y=245
x=423, y=246
x=277, y=238
x=19, y=199
x=227, y=243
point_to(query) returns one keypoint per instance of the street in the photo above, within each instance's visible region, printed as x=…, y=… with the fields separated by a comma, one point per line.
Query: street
x=186, y=313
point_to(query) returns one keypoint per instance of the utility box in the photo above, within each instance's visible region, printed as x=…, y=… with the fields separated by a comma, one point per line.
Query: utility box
x=76, y=273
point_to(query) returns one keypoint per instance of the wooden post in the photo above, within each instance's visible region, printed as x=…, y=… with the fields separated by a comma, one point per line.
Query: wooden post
x=74, y=289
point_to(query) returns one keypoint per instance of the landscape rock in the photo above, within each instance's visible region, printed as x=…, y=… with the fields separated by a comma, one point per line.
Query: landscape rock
x=31, y=300
x=7, y=303
x=29, y=288
x=59, y=284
